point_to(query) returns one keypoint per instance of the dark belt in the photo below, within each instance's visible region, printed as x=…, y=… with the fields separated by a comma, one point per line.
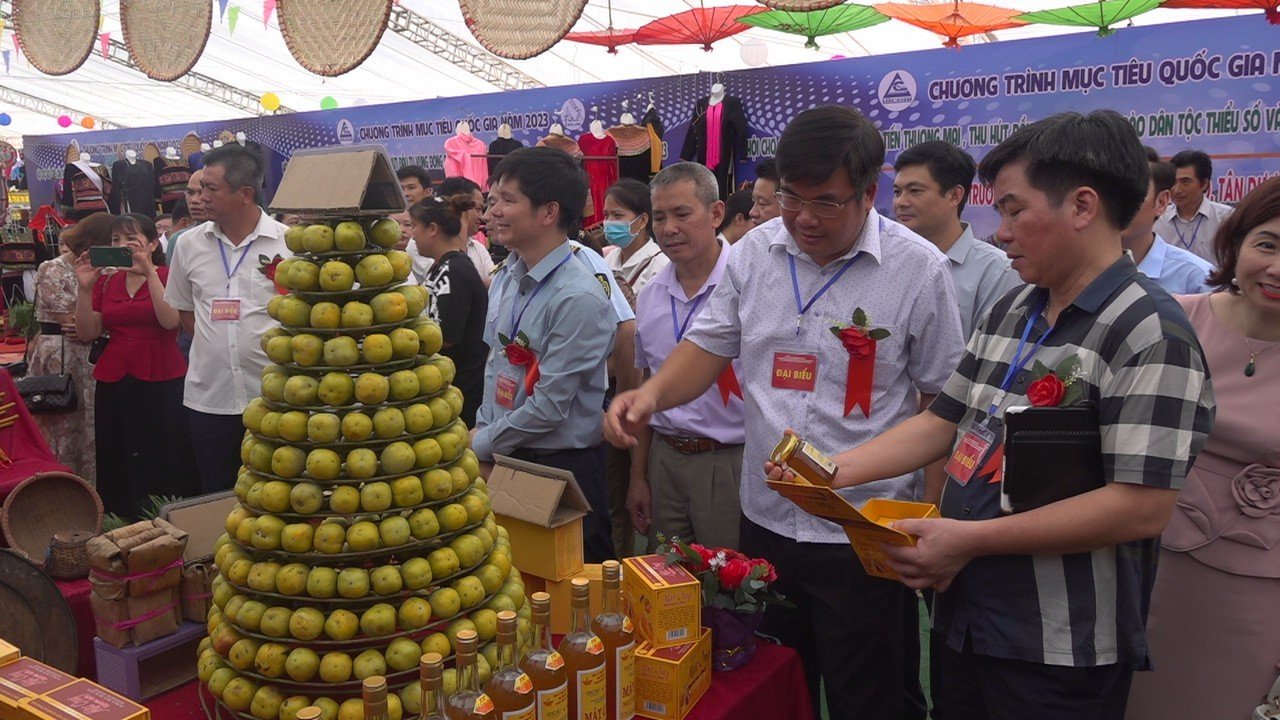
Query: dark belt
x=546, y=452
x=50, y=328
x=693, y=445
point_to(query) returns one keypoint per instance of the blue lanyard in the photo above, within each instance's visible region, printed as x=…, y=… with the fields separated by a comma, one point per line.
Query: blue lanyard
x=1181, y=238
x=680, y=329
x=795, y=287
x=226, y=266
x=516, y=320
x=1019, y=360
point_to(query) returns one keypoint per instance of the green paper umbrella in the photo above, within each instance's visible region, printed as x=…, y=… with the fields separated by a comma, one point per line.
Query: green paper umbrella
x=1102, y=14
x=812, y=24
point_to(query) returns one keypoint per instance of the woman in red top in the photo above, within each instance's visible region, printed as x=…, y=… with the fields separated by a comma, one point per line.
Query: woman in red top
x=143, y=447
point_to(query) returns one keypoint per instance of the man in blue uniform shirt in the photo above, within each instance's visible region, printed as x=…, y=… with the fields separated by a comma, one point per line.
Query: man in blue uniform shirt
x=551, y=328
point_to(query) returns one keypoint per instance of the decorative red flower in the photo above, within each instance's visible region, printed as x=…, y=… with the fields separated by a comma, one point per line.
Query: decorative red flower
x=855, y=340
x=268, y=267
x=703, y=560
x=519, y=355
x=769, y=574
x=1047, y=391
x=733, y=573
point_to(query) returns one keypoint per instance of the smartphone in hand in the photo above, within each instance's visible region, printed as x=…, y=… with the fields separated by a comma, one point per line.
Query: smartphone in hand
x=111, y=256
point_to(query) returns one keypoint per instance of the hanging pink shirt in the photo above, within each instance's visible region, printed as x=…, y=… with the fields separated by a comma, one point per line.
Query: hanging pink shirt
x=464, y=156
x=713, y=134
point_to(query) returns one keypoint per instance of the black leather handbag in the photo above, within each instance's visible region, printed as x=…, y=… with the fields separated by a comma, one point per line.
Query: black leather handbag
x=50, y=393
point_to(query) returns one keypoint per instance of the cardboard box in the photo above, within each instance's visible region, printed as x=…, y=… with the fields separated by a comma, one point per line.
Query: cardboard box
x=83, y=700
x=562, y=599
x=339, y=182
x=670, y=681
x=24, y=679
x=542, y=509
x=665, y=600
x=867, y=527
x=203, y=519
x=8, y=653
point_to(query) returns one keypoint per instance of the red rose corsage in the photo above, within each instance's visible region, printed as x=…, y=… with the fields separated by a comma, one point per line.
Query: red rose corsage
x=267, y=266
x=859, y=340
x=1056, y=387
x=518, y=353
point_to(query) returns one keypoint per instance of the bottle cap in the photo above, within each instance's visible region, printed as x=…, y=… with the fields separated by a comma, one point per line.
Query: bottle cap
x=374, y=684
x=611, y=570
x=311, y=712
x=466, y=642
x=581, y=589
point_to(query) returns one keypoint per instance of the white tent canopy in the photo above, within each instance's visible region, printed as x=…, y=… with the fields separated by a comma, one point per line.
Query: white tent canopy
x=254, y=60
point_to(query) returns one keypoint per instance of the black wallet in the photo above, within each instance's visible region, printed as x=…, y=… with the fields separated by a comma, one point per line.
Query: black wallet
x=1050, y=453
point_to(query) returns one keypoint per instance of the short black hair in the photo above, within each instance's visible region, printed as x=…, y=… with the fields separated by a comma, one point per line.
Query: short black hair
x=1153, y=155
x=1100, y=150
x=1196, y=159
x=548, y=175
x=948, y=165
x=738, y=203
x=241, y=167
x=457, y=186
x=634, y=196
x=824, y=140
x=415, y=171
x=180, y=211
x=1163, y=176
x=768, y=170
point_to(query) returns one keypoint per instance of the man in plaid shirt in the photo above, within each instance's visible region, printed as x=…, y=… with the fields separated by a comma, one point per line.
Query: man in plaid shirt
x=1042, y=612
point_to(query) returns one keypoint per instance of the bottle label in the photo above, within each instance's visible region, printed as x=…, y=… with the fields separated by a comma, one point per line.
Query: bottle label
x=555, y=661
x=593, y=694
x=627, y=625
x=483, y=705
x=624, y=678
x=553, y=704
x=595, y=645
x=523, y=684
x=818, y=458
x=529, y=713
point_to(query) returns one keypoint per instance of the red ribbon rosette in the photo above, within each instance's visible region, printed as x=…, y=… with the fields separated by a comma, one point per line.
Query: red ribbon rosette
x=268, y=268
x=861, y=372
x=521, y=356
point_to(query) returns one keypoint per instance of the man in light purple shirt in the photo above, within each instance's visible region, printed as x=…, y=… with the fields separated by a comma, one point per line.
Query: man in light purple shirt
x=687, y=464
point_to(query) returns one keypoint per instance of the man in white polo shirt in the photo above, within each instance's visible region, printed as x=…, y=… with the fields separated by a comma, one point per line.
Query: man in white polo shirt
x=217, y=283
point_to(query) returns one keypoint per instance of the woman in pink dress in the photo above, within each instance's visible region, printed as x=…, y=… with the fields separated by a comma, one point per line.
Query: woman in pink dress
x=1214, y=627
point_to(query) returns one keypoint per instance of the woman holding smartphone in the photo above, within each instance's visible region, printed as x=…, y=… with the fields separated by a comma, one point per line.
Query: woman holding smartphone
x=143, y=446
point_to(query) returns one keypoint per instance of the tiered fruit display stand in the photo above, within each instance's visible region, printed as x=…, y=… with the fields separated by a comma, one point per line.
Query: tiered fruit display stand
x=363, y=537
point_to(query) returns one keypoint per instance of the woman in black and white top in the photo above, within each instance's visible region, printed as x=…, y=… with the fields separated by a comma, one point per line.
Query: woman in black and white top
x=459, y=300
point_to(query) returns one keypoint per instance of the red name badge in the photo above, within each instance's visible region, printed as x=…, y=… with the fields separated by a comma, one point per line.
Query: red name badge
x=793, y=371
x=969, y=452
x=225, y=309
x=505, y=395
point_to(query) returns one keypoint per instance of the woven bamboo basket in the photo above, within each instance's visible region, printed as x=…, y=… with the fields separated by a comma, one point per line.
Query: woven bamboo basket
x=519, y=29
x=150, y=152
x=57, y=37
x=165, y=37
x=45, y=504
x=190, y=146
x=69, y=555
x=800, y=5
x=332, y=37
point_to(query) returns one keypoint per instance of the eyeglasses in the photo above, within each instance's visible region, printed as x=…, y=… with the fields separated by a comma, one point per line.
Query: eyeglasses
x=821, y=208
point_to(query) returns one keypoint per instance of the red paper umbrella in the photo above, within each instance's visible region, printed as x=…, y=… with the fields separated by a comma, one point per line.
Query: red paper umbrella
x=954, y=21
x=608, y=37
x=700, y=26
x=1270, y=7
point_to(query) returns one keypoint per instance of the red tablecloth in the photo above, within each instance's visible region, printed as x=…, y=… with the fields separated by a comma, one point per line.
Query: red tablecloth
x=771, y=686
x=23, y=443
x=76, y=593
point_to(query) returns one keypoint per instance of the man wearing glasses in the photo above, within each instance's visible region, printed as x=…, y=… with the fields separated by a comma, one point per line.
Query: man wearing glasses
x=831, y=256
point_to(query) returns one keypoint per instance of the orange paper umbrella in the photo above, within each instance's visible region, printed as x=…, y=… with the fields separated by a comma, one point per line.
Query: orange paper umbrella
x=953, y=21
x=700, y=26
x=1270, y=7
x=608, y=37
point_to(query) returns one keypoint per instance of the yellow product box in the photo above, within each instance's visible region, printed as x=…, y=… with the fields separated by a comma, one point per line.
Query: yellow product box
x=562, y=600
x=665, y=601
x=542, y=509
x=83, y=700
x=8, y=653
x=24, y=679
x=867, y=527
x=670, y=681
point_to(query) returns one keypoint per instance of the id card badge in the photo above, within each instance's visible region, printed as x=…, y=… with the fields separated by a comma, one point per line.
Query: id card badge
x=225, y=310
x=975, y=442
x=505, y=393
x=795, y=371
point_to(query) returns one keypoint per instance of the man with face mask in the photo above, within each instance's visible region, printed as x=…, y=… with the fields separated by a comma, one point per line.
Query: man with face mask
x=628, y=224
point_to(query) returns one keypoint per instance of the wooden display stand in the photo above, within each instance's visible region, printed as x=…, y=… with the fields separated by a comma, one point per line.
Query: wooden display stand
x=142, y=671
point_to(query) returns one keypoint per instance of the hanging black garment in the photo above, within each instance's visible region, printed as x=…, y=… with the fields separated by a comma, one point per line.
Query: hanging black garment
x=733, y=140
x=499, y=148
x=134, y=188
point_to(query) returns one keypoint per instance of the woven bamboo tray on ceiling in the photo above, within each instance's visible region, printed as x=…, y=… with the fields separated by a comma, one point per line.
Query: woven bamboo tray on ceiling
x=520, y=29
x=332, y=37
x=165, y=37
x=800, y=5
x=56, y=37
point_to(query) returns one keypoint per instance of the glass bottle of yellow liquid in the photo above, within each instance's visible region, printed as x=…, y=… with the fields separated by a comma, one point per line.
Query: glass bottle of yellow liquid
x=469, y=702
x=544, y=665
x=374, y=695
x=510, y=687
x=431, y=680
x=615, y=629
x=583, y=653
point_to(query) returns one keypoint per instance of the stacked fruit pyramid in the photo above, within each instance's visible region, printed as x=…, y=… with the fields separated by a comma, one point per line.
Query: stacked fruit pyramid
x=363, y=537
